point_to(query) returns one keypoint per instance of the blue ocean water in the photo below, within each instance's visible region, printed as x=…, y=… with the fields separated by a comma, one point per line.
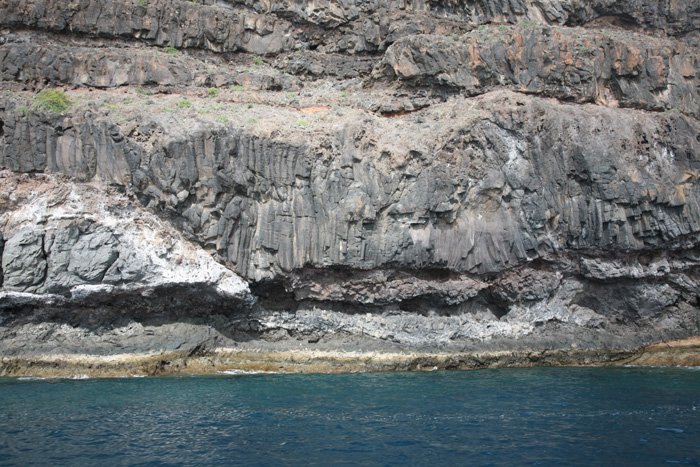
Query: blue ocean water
x=533, y=416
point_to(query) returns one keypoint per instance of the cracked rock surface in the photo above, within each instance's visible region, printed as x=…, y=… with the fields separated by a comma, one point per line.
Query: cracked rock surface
x=499, y=183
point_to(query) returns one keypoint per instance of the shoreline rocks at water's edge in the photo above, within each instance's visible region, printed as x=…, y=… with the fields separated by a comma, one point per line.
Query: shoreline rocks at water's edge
x=685, y=353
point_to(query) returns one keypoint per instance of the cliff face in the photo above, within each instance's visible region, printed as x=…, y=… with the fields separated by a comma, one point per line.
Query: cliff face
x=462, y=183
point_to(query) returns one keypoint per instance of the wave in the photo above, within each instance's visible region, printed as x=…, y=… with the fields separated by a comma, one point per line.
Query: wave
x=678, y=367
x=247, y=372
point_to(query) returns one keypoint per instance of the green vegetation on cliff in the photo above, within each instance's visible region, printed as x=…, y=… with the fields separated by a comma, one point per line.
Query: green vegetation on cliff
x=52, y=100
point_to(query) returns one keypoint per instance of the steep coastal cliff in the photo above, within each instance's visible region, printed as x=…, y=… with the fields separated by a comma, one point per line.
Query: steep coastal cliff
x=320, y=186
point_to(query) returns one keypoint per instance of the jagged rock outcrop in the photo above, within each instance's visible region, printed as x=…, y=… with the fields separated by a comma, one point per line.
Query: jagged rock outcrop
x=624, y=69
x=161, y=22
x=24, y=264
x=73, y=244
x=494, y=182
x=91, y=67
x=78, y=62
x=480, y=195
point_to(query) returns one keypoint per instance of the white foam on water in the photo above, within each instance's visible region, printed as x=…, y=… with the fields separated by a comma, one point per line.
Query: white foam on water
x=246, y=372
x=677, y=367
x=674, y=430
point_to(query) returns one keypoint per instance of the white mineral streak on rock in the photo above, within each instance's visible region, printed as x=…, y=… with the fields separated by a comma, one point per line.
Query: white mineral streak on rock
x=145, y=242
x=402, y=327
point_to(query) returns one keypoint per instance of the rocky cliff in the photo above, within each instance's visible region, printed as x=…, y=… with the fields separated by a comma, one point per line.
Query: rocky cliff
x=347, y=185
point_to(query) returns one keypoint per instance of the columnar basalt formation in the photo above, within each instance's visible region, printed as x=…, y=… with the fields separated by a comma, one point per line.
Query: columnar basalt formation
x=404, y=184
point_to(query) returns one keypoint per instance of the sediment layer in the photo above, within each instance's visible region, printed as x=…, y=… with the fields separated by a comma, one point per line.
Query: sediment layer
x=230, y=361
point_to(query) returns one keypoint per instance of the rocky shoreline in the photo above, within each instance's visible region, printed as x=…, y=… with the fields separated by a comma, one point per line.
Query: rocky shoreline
x=684, y=353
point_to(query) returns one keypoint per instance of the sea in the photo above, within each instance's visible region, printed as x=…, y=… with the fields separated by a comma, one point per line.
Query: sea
x=521, y=416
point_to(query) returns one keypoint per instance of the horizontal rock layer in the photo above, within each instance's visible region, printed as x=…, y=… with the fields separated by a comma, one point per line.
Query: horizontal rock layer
x=92, y=67
x=622, y=69
x=77, y=63
x=176, y=24
x=349, y=26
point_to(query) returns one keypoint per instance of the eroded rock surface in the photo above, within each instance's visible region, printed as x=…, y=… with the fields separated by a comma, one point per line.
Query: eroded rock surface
x=617, y=69
x=501, y=182
x=469, y=194
x=70, y=242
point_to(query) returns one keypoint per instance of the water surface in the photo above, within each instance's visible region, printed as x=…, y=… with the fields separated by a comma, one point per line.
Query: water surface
x=535, y=416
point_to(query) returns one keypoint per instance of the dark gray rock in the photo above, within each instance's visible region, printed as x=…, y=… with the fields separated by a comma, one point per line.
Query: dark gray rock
x=527, y=285
x=533, y=179
x=531, y=224
x=383, y=287
x=618, y=69
x=24, y=261
x=2, y=247
x=100, y=68
x=67, y=144
x=38, y=59
x=347, y=27
x=676, y=17
x=79, y=255
x=161, y=22
x=316, y=65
